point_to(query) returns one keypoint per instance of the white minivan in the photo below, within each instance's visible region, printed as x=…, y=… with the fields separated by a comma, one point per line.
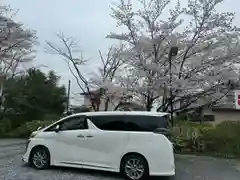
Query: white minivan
x=133, y=143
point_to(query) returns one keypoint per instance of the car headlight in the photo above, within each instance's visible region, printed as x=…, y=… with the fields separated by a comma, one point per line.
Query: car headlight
x=33, y=134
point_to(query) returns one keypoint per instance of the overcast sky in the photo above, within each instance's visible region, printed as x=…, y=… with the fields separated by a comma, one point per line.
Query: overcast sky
x=87, y=20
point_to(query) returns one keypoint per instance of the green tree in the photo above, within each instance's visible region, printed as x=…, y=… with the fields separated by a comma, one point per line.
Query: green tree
x=33, y=95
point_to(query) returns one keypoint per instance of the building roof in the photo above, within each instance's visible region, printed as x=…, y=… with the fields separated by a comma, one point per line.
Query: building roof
x=78, y=109
x=225, y=109
x=131, y=105
x=90, y=92
x=229, y=102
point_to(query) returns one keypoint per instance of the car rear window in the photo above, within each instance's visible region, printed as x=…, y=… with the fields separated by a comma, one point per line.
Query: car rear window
x=146, y=123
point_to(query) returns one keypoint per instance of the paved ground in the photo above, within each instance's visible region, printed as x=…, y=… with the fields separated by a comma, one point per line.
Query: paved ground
x=188, y=168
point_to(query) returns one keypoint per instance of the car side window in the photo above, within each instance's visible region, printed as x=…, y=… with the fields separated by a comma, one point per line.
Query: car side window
x=72, y=123
x=130, y=122
x=146, y=123
x=109, y=123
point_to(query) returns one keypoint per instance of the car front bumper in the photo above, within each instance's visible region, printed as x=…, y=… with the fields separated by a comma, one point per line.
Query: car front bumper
x=25, y=157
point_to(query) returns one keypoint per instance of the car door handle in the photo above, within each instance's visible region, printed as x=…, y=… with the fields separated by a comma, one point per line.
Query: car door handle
x=89, y=136
x=80, y=136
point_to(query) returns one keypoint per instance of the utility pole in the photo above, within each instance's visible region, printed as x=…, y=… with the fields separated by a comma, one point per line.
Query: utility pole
x=68, y=95
x=173, y=52
x=1, y=95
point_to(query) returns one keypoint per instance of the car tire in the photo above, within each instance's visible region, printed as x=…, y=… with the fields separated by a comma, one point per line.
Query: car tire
x=40, y=158
x=135, y=167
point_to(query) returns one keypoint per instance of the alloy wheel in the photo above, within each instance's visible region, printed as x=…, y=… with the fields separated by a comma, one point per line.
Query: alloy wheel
x=40, y=159
x=134, y=168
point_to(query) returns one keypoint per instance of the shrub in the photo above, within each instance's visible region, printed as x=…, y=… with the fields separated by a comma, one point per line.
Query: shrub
x=187, y=136
x=222, y=139
x=27, y=128
x=5, y=126
x=22, y=128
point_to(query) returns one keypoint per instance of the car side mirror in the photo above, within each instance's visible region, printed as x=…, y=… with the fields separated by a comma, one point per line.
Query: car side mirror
x=57, y=128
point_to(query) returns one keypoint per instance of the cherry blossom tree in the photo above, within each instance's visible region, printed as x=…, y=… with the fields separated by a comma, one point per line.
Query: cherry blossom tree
x=16, y=45
x=16, y=42
x=101, y=80
x=208, y=50
x=105, y=78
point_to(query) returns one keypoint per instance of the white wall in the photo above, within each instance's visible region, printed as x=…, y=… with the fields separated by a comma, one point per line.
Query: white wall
x=158, y=102
x=111, y=105
x=237, y=100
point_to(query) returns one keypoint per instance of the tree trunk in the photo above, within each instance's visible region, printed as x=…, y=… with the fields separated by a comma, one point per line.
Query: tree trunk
x=149, y=103
x=106, y=104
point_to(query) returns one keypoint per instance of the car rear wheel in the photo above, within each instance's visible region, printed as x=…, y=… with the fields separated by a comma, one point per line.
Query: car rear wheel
x=40, y=158
x=135, y=167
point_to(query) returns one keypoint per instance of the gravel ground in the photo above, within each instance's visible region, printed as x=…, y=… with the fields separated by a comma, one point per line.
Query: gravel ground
x=187, y=167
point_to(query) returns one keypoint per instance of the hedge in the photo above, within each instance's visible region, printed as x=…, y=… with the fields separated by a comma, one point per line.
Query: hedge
x=27, y=128
x=220, y=140
x=8, y=128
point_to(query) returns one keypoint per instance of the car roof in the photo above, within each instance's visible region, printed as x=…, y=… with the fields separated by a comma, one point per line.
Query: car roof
x=109, y=113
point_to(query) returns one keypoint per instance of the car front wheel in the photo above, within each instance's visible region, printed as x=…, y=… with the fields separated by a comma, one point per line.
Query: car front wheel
x=135, y=167
x=40, y=158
